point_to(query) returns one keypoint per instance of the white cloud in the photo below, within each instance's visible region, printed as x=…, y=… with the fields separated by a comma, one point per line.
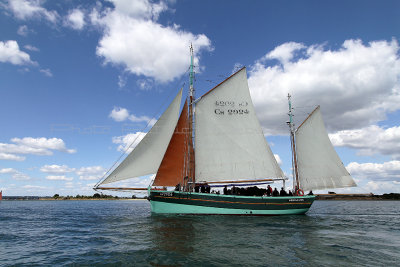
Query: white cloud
x=285, y=52
x=43, y=143
x=145, y=84
x=387, y=171
x=23, y=30
x=69, y=185
x=46, y=72
x=122, y=114
x=134, y=118
x=34, y=146
x=382, y=187
x=128, y=142
x=90, y=173
x=34, y=187
x=21, y=176
x=7, y=156
x=31, y=48
x=57, y=169
x=236, y=67
x=121, y=81
x=59, y=178
x=24, y=9
x=9, y=52
x=133, y=38
x=75, y=19
x=370, y=140
x=15, y=174
x=7, y=170
x=356, y=84
x=119, y=114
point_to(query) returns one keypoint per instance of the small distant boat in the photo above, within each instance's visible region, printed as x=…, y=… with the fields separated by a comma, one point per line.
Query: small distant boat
x=1, y=195
x=217, y=141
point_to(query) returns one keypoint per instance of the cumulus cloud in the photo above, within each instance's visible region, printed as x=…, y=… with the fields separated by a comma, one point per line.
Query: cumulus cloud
x=285, y=52
x=387, y=171
x=75, y=19
x=382, y=187
x=122, y=114
x=128, y=142
x=7, y=156
x=119, y=114
x=46, y=72
x=23, y=30
x=10, y=52
x=7, y=170
x=29, y=187
x=56, y=169
x=145, y=84
x=59, y=178
x=15, y=174
x=121, y=81
x=356, y=84
x=90, y=173
x=133, y=39
x=370, y=140
x=34, y=146
x=31, y=48
x=24, y=9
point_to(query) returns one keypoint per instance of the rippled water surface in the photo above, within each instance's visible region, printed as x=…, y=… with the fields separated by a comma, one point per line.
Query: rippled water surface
x=88, y=233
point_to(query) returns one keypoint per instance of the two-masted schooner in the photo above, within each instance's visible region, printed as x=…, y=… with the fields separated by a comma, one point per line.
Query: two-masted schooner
x=217, y=140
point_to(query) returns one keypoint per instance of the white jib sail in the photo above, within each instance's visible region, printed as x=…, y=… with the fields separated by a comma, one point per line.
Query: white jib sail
x=147, y=155
x=229, y=142
x=319, y=166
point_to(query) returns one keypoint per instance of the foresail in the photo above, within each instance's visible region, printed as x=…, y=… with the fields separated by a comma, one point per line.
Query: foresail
x=229, y=142
x=171, y=170
x=319, y=166
x=147, y=155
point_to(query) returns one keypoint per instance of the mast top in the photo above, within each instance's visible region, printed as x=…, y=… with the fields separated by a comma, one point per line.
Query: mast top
x=290, y=122
x=191, y=75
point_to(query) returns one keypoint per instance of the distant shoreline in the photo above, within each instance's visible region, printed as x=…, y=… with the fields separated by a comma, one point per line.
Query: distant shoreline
x=371, y=197
x=25, y=198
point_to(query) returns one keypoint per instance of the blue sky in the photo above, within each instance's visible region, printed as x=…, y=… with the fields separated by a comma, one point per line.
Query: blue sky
x=79, y=80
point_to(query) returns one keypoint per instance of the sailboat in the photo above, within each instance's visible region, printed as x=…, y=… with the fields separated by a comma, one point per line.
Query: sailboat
x=217, y=141
x=1, y=195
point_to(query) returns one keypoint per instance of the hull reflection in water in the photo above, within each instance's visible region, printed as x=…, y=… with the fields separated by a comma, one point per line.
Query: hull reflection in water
x=175, y=202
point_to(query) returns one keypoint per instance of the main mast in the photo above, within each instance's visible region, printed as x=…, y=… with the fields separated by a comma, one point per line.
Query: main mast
x=191, y=122
x=293, y=146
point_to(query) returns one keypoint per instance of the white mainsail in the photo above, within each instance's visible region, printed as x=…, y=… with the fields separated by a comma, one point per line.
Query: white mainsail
x=147, y=155
x=229, y=142
x=319, y=166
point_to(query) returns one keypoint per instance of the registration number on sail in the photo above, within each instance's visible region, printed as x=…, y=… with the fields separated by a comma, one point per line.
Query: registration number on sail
x=234, y=108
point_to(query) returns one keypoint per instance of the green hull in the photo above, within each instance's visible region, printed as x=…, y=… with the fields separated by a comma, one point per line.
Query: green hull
x=174, y=202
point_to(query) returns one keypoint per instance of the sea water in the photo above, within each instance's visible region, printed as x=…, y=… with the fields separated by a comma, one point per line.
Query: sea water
x=124, y=233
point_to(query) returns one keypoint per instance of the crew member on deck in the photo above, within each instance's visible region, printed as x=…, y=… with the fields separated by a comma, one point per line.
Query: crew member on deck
x=283, y=192
x=269, y=190
x=275, y=193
